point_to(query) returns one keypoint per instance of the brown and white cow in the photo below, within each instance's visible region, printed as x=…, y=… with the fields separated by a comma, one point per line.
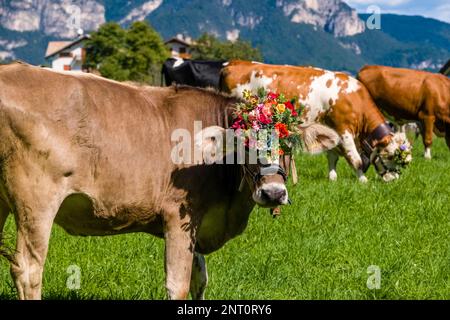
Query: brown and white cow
x=97, y=157
x=332, y=98
x=412, y=95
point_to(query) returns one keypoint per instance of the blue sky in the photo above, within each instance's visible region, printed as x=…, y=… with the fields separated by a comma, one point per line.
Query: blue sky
x=438, y=9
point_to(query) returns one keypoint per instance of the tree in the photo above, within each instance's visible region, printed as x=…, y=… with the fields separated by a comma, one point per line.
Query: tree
x=208, y=47
x=134, y=54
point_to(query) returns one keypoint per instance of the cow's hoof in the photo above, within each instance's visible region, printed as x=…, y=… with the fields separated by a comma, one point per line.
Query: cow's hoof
x=332, y=176
x=390, y=176
x=427, y=154
x=363, y=179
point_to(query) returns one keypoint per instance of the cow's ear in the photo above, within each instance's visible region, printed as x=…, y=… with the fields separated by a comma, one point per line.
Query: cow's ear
x=318, y=138
x=210, y=143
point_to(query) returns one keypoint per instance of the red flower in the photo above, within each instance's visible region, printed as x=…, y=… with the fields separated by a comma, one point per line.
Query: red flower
x=291, y=107
x=264, y=119
x=281, y=130
x=273, y=95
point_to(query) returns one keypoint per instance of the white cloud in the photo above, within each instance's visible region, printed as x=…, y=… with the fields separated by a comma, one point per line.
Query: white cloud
x=441, y=13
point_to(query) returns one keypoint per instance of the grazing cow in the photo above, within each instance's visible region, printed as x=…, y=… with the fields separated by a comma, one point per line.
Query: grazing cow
x=98, y=157
x=333, y=98
x=196, y=73
x=412, y=95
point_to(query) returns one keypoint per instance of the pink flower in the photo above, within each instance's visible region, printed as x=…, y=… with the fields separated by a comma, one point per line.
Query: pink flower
x=253, y=115
x=267, y=111
x=256, y=126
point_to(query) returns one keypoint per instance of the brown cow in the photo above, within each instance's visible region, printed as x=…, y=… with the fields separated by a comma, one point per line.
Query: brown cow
x=97, y=157
x=412, y=95
x=333, y=98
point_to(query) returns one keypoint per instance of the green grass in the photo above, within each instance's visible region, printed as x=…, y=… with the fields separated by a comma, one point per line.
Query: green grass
x=320, y=247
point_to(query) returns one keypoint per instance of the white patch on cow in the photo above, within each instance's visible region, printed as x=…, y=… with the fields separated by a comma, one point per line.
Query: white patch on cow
x=225, y=64
x=324, y=92
x=353, y=85
x=348, y=143
x=427, y=154
x=319, y=96
x=178, y=62
x=390, y=176
x=253, y=85
x=332, y=175
x=361, y=177
x=256, y=62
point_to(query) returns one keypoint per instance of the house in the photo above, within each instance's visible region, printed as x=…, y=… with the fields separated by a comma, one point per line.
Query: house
x=179, y=46
x=446, y=69
x=67, y=55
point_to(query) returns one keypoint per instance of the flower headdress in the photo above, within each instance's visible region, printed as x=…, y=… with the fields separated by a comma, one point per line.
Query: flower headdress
x=271, y=115
x=402, y=155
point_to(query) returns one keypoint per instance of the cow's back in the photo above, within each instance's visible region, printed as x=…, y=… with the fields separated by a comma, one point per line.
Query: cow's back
x=332, y=98
x=404, y=93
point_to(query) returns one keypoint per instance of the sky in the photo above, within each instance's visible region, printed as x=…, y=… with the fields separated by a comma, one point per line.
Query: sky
x=438, y=9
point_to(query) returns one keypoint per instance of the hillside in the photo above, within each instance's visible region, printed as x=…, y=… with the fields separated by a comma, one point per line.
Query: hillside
x=325, y=33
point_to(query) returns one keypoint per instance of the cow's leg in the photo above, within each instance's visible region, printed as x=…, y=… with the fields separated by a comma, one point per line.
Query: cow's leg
x=35, y=199
x=352, y=156
x=428, y=128
x=199, y=277
x=333, y=158
x=179, y=253
x=34, y=219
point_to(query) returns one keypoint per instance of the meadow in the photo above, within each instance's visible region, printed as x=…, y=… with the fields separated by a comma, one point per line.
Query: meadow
x=319, y=248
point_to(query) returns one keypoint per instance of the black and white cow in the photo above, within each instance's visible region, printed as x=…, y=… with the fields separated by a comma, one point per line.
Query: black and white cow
x=196, y=73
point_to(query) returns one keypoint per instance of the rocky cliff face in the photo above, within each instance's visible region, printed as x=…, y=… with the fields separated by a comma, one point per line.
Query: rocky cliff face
x=60, y=18
x=333, y=16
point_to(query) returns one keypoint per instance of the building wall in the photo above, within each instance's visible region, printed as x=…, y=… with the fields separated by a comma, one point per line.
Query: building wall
x=75, y=62
x=175, y=48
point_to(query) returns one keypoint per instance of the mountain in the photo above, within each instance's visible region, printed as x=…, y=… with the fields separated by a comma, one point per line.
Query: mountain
x=324, y=33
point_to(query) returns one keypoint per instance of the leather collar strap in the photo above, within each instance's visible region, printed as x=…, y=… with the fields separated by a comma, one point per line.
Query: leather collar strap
x=368, y=145
x=264, y=170
x=379, y=133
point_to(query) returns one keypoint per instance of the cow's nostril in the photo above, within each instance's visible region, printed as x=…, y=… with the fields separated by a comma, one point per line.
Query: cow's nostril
x=265, y=194
x=273, y=194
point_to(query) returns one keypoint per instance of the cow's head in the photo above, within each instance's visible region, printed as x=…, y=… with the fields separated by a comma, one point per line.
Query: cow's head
x=390, y=155
x=267, y=181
